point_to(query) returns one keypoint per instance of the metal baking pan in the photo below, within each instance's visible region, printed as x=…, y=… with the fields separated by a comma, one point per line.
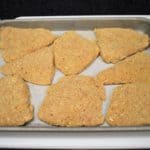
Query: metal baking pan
x=84, y=25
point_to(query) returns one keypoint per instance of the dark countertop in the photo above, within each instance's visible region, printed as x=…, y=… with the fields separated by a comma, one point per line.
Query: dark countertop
x=16, y=8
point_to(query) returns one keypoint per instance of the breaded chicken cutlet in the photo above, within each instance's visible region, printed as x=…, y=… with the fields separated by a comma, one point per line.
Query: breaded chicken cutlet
x=73, y=53
x=37, y=67
x=73, y=101
x=118, y=43
x=15, y=107
x=130, y=105
x=133, y=69
x=18, y=42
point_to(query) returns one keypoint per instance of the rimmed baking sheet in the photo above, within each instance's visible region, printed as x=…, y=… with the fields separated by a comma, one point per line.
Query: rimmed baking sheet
x=84, y=26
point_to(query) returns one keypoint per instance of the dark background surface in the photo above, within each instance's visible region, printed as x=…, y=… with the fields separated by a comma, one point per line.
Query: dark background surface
x=15, y=8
